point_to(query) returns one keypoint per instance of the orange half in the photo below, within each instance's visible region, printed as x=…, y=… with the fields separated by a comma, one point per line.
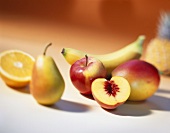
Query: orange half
x=16, y=67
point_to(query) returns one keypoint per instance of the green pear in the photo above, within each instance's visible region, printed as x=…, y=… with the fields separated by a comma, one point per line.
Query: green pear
x=47, y=84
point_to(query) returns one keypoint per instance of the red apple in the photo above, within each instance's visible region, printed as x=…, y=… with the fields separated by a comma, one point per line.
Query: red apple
x=84, y=71
x=143, y=77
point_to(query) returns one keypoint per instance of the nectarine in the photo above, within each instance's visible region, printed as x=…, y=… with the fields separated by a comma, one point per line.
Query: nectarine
x=110, y=93
x=143, y=77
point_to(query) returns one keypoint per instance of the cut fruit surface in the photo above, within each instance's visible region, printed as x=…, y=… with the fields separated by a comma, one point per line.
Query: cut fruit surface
x=111, y=94
x=16, y=67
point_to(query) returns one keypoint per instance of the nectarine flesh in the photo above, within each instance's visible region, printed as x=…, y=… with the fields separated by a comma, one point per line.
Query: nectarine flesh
x=110, y=93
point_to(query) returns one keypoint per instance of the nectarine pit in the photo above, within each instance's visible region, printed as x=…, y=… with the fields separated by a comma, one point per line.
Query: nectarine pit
x=111, y=88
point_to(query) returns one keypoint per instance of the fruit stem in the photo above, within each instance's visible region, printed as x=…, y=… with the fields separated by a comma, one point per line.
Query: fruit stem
x=46, y=48
x=86, y=59
x=63, y=51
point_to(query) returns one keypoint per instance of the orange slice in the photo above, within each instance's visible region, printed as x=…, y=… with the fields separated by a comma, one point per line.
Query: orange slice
x=16, y=67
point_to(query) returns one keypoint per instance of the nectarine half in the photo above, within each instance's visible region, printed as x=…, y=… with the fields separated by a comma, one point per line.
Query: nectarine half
x=110, y=93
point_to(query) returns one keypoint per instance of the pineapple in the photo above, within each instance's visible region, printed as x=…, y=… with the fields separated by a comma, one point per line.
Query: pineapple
x=158, y=49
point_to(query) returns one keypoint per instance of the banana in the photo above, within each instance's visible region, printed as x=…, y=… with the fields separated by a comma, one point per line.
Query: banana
x=110, y=60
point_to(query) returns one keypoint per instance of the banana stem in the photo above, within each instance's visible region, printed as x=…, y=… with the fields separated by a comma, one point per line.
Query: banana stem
x=63, y=51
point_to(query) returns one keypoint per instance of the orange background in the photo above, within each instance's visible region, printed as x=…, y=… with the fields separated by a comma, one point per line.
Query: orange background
x=94, y=26
x=81, y=24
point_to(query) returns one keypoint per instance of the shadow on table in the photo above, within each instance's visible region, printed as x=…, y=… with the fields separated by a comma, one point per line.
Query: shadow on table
x=70, y=106
x=130, y=108
x=143, y=108
x=163, y=91
x=25, y=89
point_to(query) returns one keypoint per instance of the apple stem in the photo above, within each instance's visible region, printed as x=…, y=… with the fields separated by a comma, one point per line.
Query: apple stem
x=46, y=48
x=86, y=59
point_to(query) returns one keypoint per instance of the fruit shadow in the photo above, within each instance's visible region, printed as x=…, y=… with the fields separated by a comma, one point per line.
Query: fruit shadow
x=142, y=108
x=89, y=96
x=70, y=106
x=25, y=89
x=163, y=91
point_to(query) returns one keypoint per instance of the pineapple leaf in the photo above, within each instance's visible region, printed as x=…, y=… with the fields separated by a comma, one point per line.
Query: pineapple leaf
x=164, y=26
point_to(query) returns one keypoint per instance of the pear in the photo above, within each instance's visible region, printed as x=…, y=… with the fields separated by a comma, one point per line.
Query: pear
x=47, y=84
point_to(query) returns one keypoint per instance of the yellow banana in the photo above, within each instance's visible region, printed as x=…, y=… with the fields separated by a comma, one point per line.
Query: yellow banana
x=110, y=60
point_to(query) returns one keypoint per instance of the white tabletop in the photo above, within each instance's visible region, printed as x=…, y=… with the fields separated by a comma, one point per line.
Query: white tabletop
x=20, y=113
